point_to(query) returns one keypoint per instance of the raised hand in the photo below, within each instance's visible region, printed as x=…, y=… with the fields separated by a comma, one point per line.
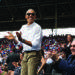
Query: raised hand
x=19, y=36
x=10, y=36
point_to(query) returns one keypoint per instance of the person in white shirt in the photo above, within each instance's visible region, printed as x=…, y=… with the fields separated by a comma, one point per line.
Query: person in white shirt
x=31, y=36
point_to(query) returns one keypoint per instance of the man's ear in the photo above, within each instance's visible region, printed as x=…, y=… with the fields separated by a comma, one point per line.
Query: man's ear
x=35, y=16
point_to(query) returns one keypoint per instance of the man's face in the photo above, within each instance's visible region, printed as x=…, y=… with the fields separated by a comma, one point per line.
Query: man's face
x=72, y=48
x=30, y=16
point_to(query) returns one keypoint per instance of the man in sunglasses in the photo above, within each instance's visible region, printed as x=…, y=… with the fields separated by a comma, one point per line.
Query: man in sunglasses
x=30, y=36
x=66, y=66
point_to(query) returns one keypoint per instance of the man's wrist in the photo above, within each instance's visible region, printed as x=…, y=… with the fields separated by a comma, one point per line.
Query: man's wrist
x=23, y=41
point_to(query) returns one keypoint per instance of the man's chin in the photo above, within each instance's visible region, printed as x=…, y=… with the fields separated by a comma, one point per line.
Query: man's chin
x=30, y=22
x=73, y=53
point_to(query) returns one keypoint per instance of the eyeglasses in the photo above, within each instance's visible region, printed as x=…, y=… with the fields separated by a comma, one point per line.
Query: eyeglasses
x=33, y=14
x=72, y=46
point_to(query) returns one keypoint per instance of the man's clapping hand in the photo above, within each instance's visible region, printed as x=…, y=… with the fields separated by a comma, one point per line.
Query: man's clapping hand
x=19, y=36
x=10, y=36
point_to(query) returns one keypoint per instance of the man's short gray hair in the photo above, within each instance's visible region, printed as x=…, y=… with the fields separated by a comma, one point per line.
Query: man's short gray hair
x=32, y=10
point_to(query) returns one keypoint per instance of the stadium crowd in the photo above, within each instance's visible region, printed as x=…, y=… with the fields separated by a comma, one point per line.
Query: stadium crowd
x=51, y=45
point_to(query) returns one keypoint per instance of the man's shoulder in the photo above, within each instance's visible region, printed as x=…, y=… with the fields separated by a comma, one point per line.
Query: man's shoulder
x=71, y=57
x=24, y=25
x=38, y=25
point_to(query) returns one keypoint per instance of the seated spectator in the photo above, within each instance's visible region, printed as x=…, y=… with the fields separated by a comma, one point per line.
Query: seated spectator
x=12, y=57
x=67, y=66
x=46, y=66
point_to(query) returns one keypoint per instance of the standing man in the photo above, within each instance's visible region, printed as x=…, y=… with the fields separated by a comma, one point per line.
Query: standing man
x=30, y=35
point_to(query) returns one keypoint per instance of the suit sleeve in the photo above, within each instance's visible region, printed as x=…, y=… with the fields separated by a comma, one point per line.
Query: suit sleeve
x=65, y=66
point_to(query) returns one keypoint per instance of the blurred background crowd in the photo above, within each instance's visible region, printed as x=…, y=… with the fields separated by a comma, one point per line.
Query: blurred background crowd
x=50, y=45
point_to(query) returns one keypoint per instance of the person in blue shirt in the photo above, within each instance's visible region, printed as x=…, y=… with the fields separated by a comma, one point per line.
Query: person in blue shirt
x=67, y=66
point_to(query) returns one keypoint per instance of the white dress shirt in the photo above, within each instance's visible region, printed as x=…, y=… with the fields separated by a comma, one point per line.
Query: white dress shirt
x=32, y=33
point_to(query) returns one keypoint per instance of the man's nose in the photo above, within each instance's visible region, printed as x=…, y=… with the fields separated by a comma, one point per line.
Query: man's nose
x=30, y=14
